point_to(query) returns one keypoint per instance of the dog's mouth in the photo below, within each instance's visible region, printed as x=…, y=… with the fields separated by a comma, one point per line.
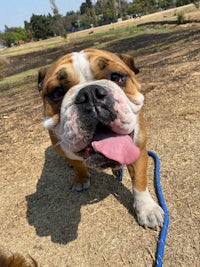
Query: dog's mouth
x=109, y=149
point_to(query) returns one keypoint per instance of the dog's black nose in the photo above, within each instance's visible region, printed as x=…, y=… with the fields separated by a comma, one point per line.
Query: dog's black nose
x=91, y=97
x=96, y=104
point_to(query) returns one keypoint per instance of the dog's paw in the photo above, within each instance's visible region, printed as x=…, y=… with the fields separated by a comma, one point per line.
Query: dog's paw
x=78, y=187
x=148, y=212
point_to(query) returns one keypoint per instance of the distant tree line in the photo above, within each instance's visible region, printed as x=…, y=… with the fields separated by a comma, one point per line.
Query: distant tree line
x=91, y=13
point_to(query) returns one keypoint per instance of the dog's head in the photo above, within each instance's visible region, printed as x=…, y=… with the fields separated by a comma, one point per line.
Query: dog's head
x=89, y=96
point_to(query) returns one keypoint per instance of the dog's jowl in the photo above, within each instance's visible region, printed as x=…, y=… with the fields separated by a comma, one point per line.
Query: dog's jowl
x=92, y=109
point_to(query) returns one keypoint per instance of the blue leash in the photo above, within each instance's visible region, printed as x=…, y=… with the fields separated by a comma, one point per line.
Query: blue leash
x=163, y=234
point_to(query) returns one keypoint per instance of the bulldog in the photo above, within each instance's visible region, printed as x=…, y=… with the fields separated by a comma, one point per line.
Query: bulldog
x=92, y=110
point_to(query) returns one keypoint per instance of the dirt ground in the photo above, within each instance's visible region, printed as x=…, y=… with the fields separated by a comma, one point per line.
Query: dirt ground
x=40, y=216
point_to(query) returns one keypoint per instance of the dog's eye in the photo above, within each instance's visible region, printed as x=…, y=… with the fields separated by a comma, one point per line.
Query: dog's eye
x=118, y=78
x=57, y=94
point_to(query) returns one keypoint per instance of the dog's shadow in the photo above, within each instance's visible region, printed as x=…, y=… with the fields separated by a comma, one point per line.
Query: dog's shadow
x=54, y=210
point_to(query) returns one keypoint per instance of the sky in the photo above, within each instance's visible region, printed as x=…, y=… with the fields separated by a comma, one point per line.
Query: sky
x=13, y=13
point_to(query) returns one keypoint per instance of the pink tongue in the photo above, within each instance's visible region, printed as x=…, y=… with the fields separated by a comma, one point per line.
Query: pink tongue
x=118, y=147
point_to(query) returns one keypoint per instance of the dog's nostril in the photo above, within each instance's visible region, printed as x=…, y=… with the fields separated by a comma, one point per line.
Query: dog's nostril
x=99, y=93
x=83, y=98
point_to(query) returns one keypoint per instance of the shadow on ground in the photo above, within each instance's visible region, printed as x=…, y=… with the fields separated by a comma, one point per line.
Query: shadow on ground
x=153, y=41
x=54, y=210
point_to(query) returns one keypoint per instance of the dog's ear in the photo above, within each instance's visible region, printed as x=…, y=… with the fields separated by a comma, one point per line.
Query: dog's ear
x=41, y=75
x=129, y=61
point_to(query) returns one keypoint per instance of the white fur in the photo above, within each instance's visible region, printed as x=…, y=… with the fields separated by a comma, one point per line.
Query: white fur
x=82, y=67
x=58, y=131
x=49, y=122
x=139, y=100
x=148, y=212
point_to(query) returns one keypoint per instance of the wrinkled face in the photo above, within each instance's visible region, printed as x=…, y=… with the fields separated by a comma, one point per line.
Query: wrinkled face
x=90, y=96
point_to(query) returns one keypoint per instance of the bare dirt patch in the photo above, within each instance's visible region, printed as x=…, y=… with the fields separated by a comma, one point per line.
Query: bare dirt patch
x=40, y=215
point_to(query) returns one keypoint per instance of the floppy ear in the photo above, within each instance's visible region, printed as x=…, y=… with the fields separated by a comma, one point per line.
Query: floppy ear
x=129, y=61
x=41, y=75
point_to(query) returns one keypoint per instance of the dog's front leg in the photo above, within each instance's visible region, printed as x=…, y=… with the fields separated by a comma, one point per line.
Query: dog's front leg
x=82, y=180
x=148, y=212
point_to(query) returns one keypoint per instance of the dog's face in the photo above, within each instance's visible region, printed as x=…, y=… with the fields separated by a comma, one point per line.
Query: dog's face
x=88, y=97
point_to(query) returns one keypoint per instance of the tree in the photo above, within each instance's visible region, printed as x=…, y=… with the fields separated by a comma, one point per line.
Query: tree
x=88, y=10
x=72, y=21
x=28, y=29
x=107, y=10
x=135, y=8
x=12, y=35
x=182, y=2
x=21, y=33
x=8, y=38
x=88, y=3
x=41, y=27
x=56, y=20
x=165, y=4
x=83, y=8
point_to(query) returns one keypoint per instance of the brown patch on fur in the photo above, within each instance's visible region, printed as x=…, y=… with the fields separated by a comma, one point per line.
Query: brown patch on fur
x=41, y=74
x=17, y=260
x=129, y=61
x=138, y=169
x=62, y=74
